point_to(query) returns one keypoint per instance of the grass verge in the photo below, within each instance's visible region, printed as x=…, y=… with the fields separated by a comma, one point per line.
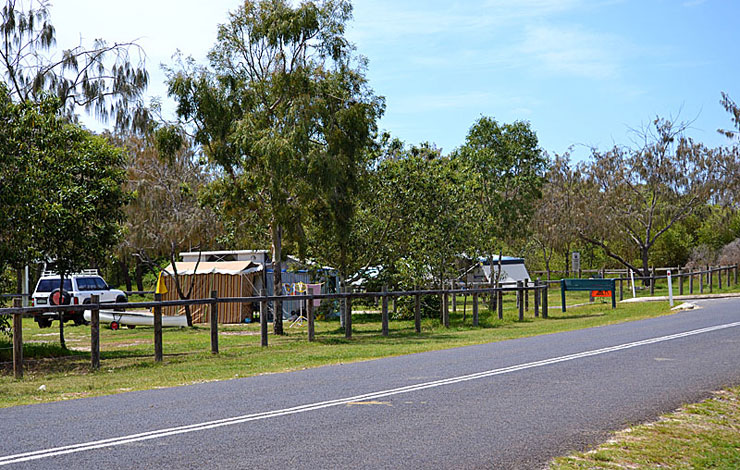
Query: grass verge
x=705, y=435
x=127, y=354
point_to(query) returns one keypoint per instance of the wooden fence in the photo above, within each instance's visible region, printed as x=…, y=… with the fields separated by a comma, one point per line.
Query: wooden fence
x=704, y=278
x=522, y=292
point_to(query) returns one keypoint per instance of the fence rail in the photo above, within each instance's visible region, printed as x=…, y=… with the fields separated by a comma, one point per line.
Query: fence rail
x=522, y=291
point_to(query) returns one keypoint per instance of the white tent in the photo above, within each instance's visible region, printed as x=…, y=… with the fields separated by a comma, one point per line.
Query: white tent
x=512, y=270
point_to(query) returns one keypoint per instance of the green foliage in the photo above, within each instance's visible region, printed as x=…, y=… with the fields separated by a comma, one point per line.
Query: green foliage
x=81, y=206
x=508, y=168
x=430, y=306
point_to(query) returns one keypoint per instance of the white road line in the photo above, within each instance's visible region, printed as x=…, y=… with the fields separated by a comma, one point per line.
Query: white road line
x=160, y=433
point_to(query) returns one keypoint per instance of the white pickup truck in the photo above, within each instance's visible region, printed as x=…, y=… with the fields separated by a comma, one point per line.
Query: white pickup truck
x=77, y=289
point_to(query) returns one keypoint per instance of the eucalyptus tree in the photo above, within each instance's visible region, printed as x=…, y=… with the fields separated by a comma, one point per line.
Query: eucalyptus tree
x=284, y=110
x=508, y=169
x=632, y=196
x=100, y=78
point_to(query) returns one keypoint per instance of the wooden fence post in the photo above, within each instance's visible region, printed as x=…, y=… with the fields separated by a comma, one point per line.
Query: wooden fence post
x=621, y=289
x=519, y=289
x=158, y=353
x=680, y=282
x=536, y=298
x=691, y=281
x=385, y=311
x=17, y=340
x=95, y=331
x=445, y=309
x=309, y=314
x=719, y=278
x=417, y=312
x=500, y=303
x=348, y=314
x=544, y=299
x=734, y=275
x=475, y=309
x=213, y=314
x=263, y=316
x=711, y=280
x=701, y=281
x=652, y=282
x=526, y=296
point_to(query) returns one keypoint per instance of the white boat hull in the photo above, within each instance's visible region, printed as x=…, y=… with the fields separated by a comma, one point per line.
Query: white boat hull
x=137, y=318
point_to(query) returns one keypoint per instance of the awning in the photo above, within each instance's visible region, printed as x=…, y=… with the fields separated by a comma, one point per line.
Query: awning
x=214, y=267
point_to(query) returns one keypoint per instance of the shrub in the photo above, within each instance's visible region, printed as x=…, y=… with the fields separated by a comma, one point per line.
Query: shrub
x=430, y=306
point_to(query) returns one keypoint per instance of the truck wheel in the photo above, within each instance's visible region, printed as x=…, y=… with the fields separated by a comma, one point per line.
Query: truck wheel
x=119, y=300
x=43, y=322
x=79, y=317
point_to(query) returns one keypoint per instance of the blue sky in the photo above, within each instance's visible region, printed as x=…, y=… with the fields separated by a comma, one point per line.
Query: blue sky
x=582, y=72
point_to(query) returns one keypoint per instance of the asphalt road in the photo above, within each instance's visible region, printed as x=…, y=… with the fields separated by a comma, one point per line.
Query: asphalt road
x=513, y=404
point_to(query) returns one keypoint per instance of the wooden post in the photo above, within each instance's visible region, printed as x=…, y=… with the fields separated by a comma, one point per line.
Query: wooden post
x=621, y=289
x=417, y=313
x=526, y=295
x=385, y=311
x=691, y=281
x=519, y=289
x=213, y=314
x=536, y=298
x=734, y=275
x=652, y=281
x=500, y=303
x=348, y=314
x=95, y=331
x=158, y=353
x=309, y=315
x=719, y=278
x=445, y=310
x=711, y=283
x=680, y=282
x=701, y=281
x=18, y=340
x=263, y=317
x=544, y=300
x=475, y=309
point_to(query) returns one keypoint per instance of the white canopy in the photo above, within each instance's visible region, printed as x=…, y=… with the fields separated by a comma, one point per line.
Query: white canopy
x=214, y=267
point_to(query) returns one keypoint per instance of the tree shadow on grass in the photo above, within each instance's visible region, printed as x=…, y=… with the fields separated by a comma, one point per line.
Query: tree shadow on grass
x=576, y=317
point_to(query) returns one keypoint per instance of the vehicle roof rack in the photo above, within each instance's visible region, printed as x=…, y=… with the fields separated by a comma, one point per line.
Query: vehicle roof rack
x=84, y=272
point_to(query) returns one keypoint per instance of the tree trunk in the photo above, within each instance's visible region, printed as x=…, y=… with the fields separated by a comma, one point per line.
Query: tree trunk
x=178, y=286
x=123, y=265
x=277, y=276
x=492, y=283
x=645, y=266
x=342, y=304
x=61, y=313
x=139, y=274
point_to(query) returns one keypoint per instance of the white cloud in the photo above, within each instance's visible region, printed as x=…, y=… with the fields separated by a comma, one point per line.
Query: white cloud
x=572, y=51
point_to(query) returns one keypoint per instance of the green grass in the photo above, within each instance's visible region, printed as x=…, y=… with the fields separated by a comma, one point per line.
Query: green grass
x=699, y=436
x=127, y=354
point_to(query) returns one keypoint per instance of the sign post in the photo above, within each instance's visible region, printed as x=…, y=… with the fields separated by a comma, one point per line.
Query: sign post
x=576, y=261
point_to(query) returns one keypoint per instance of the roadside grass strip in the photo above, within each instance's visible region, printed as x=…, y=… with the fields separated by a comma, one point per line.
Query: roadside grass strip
x=703, y=435
x=161, y=433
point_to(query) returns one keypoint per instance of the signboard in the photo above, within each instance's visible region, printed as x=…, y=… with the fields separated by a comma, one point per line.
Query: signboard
x=601, y=293
x=576, y=261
